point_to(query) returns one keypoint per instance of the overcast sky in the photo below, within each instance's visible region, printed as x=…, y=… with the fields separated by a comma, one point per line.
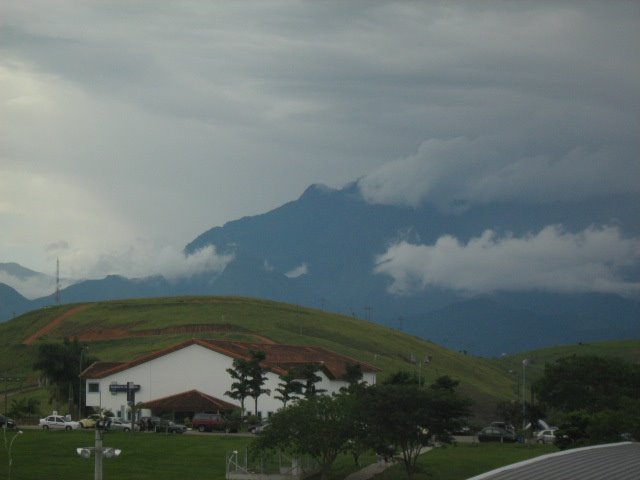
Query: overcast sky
x=128, y=128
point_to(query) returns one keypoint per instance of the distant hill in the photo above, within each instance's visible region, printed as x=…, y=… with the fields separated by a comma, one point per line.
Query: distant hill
x=11, y=302
x=505, y=325
x=320, y=251
x=122, y=330
x=627, y=350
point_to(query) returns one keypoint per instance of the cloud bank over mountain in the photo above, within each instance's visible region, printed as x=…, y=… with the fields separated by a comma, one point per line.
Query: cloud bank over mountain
x=140, y=260
x=121, y=118
x=144, y=260
x=455, y=173
x=594, y=260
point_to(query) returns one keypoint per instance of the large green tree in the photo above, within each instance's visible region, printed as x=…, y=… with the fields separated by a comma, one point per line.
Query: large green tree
x=405, y=418
x=589, y=383
x=596, y=399
x=318, y=426
x=60, y=365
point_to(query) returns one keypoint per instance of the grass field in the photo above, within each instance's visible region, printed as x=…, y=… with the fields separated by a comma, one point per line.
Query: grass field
x=466, y=460
x=147, y=456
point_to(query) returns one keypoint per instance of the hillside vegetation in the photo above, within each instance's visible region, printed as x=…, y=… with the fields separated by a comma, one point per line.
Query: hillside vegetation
x=122, y=330
x=628, y=350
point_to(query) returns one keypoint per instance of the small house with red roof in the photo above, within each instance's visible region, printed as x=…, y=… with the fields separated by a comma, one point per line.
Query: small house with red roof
x=192, y=376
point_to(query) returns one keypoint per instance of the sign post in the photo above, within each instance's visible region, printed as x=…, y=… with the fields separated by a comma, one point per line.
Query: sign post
x=131, y=400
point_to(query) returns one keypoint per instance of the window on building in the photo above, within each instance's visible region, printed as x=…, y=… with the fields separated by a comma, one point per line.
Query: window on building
x=94, y=387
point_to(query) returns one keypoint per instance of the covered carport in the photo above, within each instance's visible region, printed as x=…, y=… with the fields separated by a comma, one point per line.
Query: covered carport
x=184, y=405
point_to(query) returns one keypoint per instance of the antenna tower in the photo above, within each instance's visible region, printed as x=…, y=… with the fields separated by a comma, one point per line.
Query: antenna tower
x=57, y=281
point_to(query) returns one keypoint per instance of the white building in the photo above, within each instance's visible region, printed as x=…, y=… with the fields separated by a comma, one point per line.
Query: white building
x=192, y=376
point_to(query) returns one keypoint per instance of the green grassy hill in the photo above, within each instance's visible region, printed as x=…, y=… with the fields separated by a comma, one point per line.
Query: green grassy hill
x=122, y=330
x=628, y=350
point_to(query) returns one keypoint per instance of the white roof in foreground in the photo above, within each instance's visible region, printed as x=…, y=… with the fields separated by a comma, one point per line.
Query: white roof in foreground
x=614, y=461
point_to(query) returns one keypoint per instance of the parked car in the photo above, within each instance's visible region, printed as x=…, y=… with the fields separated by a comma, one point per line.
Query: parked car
x=167, y=426
x=6, y=421
x=122, y=425
x=208, y=422
x=463, y=430
x=495, y=434
x=258, y=428
x=546, y=436
x=504, y=426
x=90, y=421
x=148, y=424
x=59, y=422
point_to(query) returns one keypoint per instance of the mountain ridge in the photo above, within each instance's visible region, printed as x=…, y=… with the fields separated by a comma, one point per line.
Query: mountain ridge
x=334, y=238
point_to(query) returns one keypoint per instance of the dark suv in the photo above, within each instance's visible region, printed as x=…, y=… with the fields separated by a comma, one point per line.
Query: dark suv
x=6, y=421
x=207, y=422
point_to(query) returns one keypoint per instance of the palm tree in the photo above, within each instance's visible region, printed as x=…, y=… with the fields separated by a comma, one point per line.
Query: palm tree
x=257, y=377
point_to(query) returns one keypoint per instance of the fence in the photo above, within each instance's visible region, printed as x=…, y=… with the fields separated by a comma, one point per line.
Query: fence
x=242, y=466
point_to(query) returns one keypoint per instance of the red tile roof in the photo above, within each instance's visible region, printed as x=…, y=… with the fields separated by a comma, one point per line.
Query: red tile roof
x=279, y=358
x=191, y=401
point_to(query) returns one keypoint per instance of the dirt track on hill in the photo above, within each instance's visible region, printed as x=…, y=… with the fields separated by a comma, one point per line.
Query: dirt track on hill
x=117, y=333
x=53, y=324
x=97, y=333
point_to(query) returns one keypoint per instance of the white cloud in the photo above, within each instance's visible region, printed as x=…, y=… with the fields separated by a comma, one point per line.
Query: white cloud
x=32, y=287
x=593, y=260
x=454, y=173
x=300, y=270
x=143, y=260
x=162, y=119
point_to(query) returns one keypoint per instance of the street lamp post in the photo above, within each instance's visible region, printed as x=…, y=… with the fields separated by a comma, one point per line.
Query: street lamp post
x=10, y=446
x=525, y=362
x=99, y=452
x=80, y=382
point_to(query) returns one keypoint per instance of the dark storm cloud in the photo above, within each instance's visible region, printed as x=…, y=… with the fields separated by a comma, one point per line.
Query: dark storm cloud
x=237, y=106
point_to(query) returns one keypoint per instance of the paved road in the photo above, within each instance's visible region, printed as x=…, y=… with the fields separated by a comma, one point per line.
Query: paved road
x=375, y=468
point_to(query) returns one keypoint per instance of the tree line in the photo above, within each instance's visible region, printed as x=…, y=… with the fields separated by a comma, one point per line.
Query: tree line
x=395, y=419
x=594, y=399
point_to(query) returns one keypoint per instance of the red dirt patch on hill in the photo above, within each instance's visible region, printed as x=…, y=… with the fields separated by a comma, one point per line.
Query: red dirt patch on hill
x=114, y=333
x=53, y=324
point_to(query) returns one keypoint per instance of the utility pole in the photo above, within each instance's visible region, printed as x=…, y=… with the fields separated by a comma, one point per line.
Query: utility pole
x=525, y=362
x=57, y=281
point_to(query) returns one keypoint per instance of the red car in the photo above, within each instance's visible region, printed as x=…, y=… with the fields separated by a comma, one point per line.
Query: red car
x=208, y=422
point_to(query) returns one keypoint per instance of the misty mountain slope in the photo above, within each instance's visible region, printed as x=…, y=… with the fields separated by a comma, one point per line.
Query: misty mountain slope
x=18, y=271
x=485, y=327
x=11, y=302
x=322, y=249
x=338, y=236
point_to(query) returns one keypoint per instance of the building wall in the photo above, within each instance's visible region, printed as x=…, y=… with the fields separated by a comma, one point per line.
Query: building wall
x=191, y=368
